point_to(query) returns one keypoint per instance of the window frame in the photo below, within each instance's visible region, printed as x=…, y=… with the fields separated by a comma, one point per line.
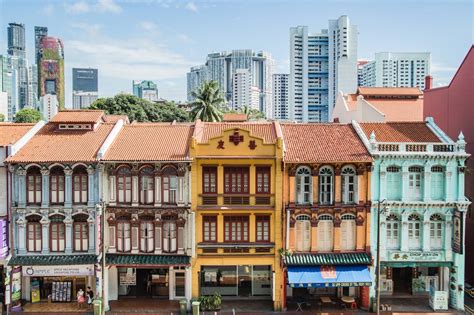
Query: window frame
x=84, y=229
x=414, y=225
x=210, y=220
x=394, y=169
x=144, y=193
x=211, y=186
x=302, y=173
x=57, y=173
x=146, y=221
x=264, y=221
x=345, y=184
x=260, y=173
x=168, y=174
x=303, y=233
x=326, y=184
x=436, y=226
x=60, y=231
x=34, y=221
x=392, y=223
x=415, y=182
x=344, y=219
x=244, y=223
x=124, y=222
x=241, y=173
x=81, y=173
x=125, y=177
x=170, y=221
x=438, y=180
x=34, y=172
x=322, y=218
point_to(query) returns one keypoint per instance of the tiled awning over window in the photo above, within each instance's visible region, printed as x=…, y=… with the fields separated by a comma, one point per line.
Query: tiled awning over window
x=328, y=259
x=52, y=260
x=161, y=260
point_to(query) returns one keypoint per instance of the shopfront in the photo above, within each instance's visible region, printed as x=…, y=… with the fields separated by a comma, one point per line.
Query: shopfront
x=237, y=281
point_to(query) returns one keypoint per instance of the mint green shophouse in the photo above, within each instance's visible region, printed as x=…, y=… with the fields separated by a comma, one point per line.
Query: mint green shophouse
x=418, y=180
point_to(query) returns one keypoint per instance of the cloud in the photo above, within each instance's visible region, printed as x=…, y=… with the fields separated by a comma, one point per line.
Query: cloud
x=89, y=29
x=439, y=67
x=108, y=6
x=191, y=6
x=148, y=25
x=185, y=38
x=48, y=9
x=78, y=7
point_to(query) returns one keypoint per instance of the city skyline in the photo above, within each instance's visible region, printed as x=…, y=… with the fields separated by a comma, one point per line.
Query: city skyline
x=154, y=46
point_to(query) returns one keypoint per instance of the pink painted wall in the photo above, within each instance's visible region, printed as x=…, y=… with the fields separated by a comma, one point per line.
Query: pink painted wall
x=452, y=108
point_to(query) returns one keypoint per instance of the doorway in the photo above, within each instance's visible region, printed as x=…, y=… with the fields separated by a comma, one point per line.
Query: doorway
x=402, y=280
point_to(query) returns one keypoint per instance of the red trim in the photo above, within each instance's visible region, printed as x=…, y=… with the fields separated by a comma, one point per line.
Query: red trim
x=241, y=220
x=121, y=221
x=140, y=236
x=211, y=219
x=238, y=173
x=169, y=239
x=209, y=170
x=263, y=219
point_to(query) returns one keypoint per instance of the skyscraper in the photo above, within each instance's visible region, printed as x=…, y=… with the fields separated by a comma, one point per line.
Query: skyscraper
x=85, y=88
x=321, y=64
x=280, y=96
x=16, y=39
x=222, y=66
x=243, y=92
x=147, y=90
x=391, y=69
x=32, y=85
x=195, y=77
x=51, y=68
x=40, y=32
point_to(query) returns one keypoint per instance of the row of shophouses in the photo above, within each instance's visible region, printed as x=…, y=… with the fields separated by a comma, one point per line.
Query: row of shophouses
x=251, y=210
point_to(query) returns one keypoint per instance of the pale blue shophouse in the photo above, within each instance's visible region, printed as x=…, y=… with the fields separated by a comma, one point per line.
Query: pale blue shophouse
x=417, y=187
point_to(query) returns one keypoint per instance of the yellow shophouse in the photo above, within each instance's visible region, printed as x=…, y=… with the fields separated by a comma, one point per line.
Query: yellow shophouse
x=237, y=202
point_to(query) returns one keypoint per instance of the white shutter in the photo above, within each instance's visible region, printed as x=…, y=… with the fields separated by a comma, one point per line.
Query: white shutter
x=307, y=236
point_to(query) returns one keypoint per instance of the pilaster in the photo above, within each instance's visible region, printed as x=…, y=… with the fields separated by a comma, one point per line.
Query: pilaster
x=404, y=234
x=45, y=232
x=91, y=188
x=91, y=225
x=21, y=187
x=427, y=182
x=68, y=187
x=448, y=236
x=44, y=188
x=405, y=182
x=69, y=233
x=426, y=232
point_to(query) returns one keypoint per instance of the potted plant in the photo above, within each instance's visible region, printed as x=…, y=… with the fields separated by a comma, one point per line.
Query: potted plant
x=211, y=302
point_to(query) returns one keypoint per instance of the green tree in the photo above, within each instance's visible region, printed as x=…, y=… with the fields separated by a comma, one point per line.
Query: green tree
x=27, y=115
x=2, y=117
x=208, y=102
x=252, y=114
x=139, y=109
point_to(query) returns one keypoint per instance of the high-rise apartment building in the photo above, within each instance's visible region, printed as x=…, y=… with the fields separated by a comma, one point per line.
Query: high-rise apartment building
x=280, y=96
x=243, y=92
x=6, y=82
x=48, y=106
x=20, y=67
x=32, y=85
x=16, y=39
x=40, y=32
x=195, y=77
x=222, y=66
x=51, y=68
x=321, y=64
x=147, y=90
x=85, y=87
x=360, y=67
x=390, y=69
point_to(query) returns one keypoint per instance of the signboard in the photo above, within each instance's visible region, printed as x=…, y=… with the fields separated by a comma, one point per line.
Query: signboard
x=35, y=291
x=16, y=288
x=438, y=299
x=458, y=232
x=51, y=271
x=3, y=238
x=416, y=256
x=128, y=278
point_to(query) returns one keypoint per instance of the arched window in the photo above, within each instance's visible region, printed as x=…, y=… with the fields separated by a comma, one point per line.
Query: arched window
x=414, y=232
x=348, y=232
x=33, y=233
x=56, y=185
x=394, y=183
x=57, y=234
x=349, y=185
x=436, y=231
x=393, y=231
x=147, y=185
x=303, y=185
x=124, y=185
x=169, y=185
x=34, y=186
x=325, y=233
x=79, y=185
x=170, y=234
x=81, y=233
x=303, y=233
x=437, y=182
x=124, y=238
x=326, y=182
x=415, y=182
x=147, y=228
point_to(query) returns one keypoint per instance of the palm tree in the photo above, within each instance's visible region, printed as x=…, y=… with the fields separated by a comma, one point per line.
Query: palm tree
x=252, y=114
x=208, y=101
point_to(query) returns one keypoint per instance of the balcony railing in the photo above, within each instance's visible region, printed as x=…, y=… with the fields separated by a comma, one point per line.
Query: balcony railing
x=237, y=199
x=415, y=147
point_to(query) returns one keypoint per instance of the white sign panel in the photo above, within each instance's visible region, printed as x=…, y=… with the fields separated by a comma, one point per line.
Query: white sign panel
x=51, y=271
x=128, y=279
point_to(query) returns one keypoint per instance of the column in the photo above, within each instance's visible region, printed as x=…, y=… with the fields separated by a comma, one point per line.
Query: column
x=426, y=232
x=135, y=188
x=68, y=188
x=188, y=283
x=21, y=229
x=447, y=182
x=112, y=189
x=337, y=234
x=314, y=234
x=447, y=236
x=404, y=235
x=460, y=182
x=404, y=182
x=21, y=173
x=45, y=234
x=252, y=183
x=92, y=238
x=292, y=188
x=337, y=185
x=292, y=233
x=360, y=232
x=69, y=233
x=45, y=188
x=171, y=283
x=91, y=188
x=157, y=189
x=220, y=185
x=382, y=183
x=252, y=228
x=427, y=182
x=383, y=233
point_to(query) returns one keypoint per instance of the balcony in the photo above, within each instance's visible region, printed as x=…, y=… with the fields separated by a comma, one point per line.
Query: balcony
x=415, y=147
x=251, y=248
x=226, y=200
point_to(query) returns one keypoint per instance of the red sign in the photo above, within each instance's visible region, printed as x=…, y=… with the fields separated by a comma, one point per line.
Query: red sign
x=328, y=272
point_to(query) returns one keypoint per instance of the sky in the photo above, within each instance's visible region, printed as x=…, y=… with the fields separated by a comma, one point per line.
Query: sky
x=160, y=40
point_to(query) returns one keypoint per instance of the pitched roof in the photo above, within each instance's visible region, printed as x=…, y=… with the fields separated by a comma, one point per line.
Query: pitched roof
x=323, y=143
x=264, y=129
x=234, y=117
x=151, y=142
x=115, y=118
x=12, y=132
x=400, y=132
x=52, y=145
x=380, y=91
x=78, y=116
x=399, y=109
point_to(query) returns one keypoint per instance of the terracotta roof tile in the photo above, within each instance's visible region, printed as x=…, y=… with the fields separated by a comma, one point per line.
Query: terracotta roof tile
x=323, y=143
x=78, y=116
x=115, y=118
x=52, y=145
x=12, y=132
x=400, y=132
x=265, y=130
x=151, y=142
x=379, y=91
x=234, y=117
x=400, y=109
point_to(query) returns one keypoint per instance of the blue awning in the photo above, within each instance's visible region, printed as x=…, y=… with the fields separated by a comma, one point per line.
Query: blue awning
x=328, y=276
